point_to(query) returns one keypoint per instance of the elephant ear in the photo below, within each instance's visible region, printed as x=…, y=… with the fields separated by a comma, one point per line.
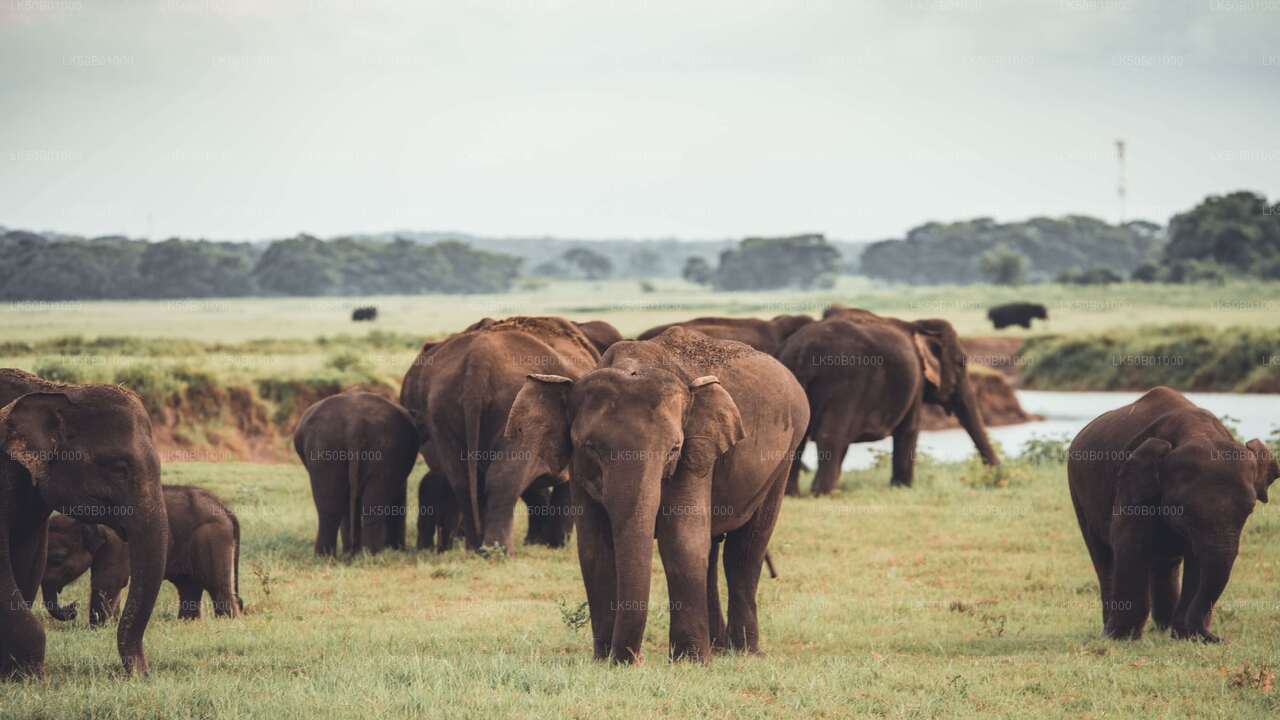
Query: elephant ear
x=31, y=431
x=712, y=425
x=539, y=419
x=1268, y=468
x=939, y=349
x=1139, y=476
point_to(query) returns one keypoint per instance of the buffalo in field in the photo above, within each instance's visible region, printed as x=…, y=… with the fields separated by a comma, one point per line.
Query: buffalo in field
x=362, y=314
x=1019, y=313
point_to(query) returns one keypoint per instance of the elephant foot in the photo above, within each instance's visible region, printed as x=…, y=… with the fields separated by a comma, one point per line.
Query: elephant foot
x=1199, y=635
x=22, y=670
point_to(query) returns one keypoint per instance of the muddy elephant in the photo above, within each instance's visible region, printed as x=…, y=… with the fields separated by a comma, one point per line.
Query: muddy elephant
x=359, y=449
x=767, y=336
x=203, y=557
x=866, y=377
x=600, y=333
x=463, y=388
x=85, y=451
x=1156, y=484
x=1019, y=313
x=684, y=438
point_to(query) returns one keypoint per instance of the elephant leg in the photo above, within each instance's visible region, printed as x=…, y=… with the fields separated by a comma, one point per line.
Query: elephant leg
x=377, y=505
x=599, y=574
x=399, y=510
x=904, y=449
x=449, y=523
x=684, y=543
x=213, y=561
x=715, y=616
x=22, y=639
x=744, y=551
x=347, y=536
x=1164, y=590
x=29, y=560
x=190, y=596
x=1130, y=602
x=831, y=452
x=538, y=504
x=1190, y=586
x=560, y=525
x=327, y=534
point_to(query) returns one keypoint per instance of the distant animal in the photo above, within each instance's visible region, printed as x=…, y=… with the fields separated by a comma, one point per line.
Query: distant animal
x=1019, y=313
x=684, y=439
x=767, y=336
x=361, y=314
x=204, y=556
x=359, y=449
x=462, y=389
x=866, y=377
x=87, y=451
x=1156, y=484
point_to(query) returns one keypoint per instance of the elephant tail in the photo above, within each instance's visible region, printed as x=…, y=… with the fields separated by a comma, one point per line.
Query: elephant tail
x=472, y=408
x=353, y=511
x=235, y=571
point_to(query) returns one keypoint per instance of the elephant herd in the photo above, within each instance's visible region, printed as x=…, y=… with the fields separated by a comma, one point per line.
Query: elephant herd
x=688, y=437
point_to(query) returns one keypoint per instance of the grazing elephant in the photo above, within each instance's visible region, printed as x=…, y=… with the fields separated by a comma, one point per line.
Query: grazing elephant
x=600, y=333
x=767, y=336
x=462, y=388
x=359, y=449
x=683, y=438
x=204, y=556
x=87, y=452
x=1019, y=313
x=866, y=377
x=1157, y=483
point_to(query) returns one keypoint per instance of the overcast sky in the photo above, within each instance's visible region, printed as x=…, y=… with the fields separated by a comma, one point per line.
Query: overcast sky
x=588, y=118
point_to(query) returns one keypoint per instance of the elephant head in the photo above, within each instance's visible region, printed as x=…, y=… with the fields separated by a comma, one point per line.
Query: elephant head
x=75, y=548
x=1205, y=491
x=88, y=452
x=947, y=380
x=625, y=430
x=787, y=325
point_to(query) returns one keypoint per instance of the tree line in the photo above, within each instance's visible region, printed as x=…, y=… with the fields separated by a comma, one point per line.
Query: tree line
x=37, y=267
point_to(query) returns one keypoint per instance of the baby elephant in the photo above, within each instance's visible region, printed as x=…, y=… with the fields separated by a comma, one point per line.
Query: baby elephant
x=1158, y=483
x=359, y=449
x=204, y=556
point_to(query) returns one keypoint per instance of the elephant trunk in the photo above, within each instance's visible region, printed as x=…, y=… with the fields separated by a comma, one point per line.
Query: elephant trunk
x=56, y=611
x=148, y=538
x=632, y=498
x=965, y=406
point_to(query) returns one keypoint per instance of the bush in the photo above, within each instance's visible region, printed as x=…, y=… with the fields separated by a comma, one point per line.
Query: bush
x=59, y=371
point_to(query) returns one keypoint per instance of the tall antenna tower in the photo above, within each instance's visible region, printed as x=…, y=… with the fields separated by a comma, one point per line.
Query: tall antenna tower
x=1121, y=190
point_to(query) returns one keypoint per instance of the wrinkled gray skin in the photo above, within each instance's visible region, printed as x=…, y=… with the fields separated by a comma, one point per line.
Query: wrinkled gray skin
x=1158, y=483
x=767, y=336
x=462, y=389
x=359, y=449
x=866, y=377
x=204, y=556
x=87, y=452
x=686, y=439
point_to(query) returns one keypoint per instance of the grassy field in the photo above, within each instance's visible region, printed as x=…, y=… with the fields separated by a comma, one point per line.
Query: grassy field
x=1071, y=309
x=970, y=593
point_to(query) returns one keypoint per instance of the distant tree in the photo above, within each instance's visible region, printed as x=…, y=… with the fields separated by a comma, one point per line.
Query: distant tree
x=592, y=264
x=697, y=270
x=195, y=268
x=1003, y=266
x=1092, y=276
x=1238, y=231
x=804, y=261
x=550, y=268
x=298, y=266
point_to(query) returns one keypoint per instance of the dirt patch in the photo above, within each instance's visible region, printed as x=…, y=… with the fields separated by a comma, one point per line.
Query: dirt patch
x=1003, y=354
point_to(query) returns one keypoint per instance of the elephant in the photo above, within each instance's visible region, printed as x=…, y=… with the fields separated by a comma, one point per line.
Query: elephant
x=204, y=556
x=767, y=336
x=866, y=376
x=1019, y=313
x=1157, y=483
x=600, y=333
x=462, y=389
x=685, y=439
x=85, y=451
x=359, y=449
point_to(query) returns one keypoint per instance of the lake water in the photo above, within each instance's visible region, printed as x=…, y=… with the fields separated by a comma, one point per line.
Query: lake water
x=1065, y=413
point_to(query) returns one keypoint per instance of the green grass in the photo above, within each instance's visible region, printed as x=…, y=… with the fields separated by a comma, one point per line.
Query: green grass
x=970, y=593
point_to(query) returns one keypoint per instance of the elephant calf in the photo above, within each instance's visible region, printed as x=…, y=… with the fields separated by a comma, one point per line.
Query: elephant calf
x=1158, y=483
x=359, y=449
x=203, y=556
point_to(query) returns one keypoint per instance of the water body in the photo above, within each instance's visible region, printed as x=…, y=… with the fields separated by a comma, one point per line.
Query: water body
x=1065, y=413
